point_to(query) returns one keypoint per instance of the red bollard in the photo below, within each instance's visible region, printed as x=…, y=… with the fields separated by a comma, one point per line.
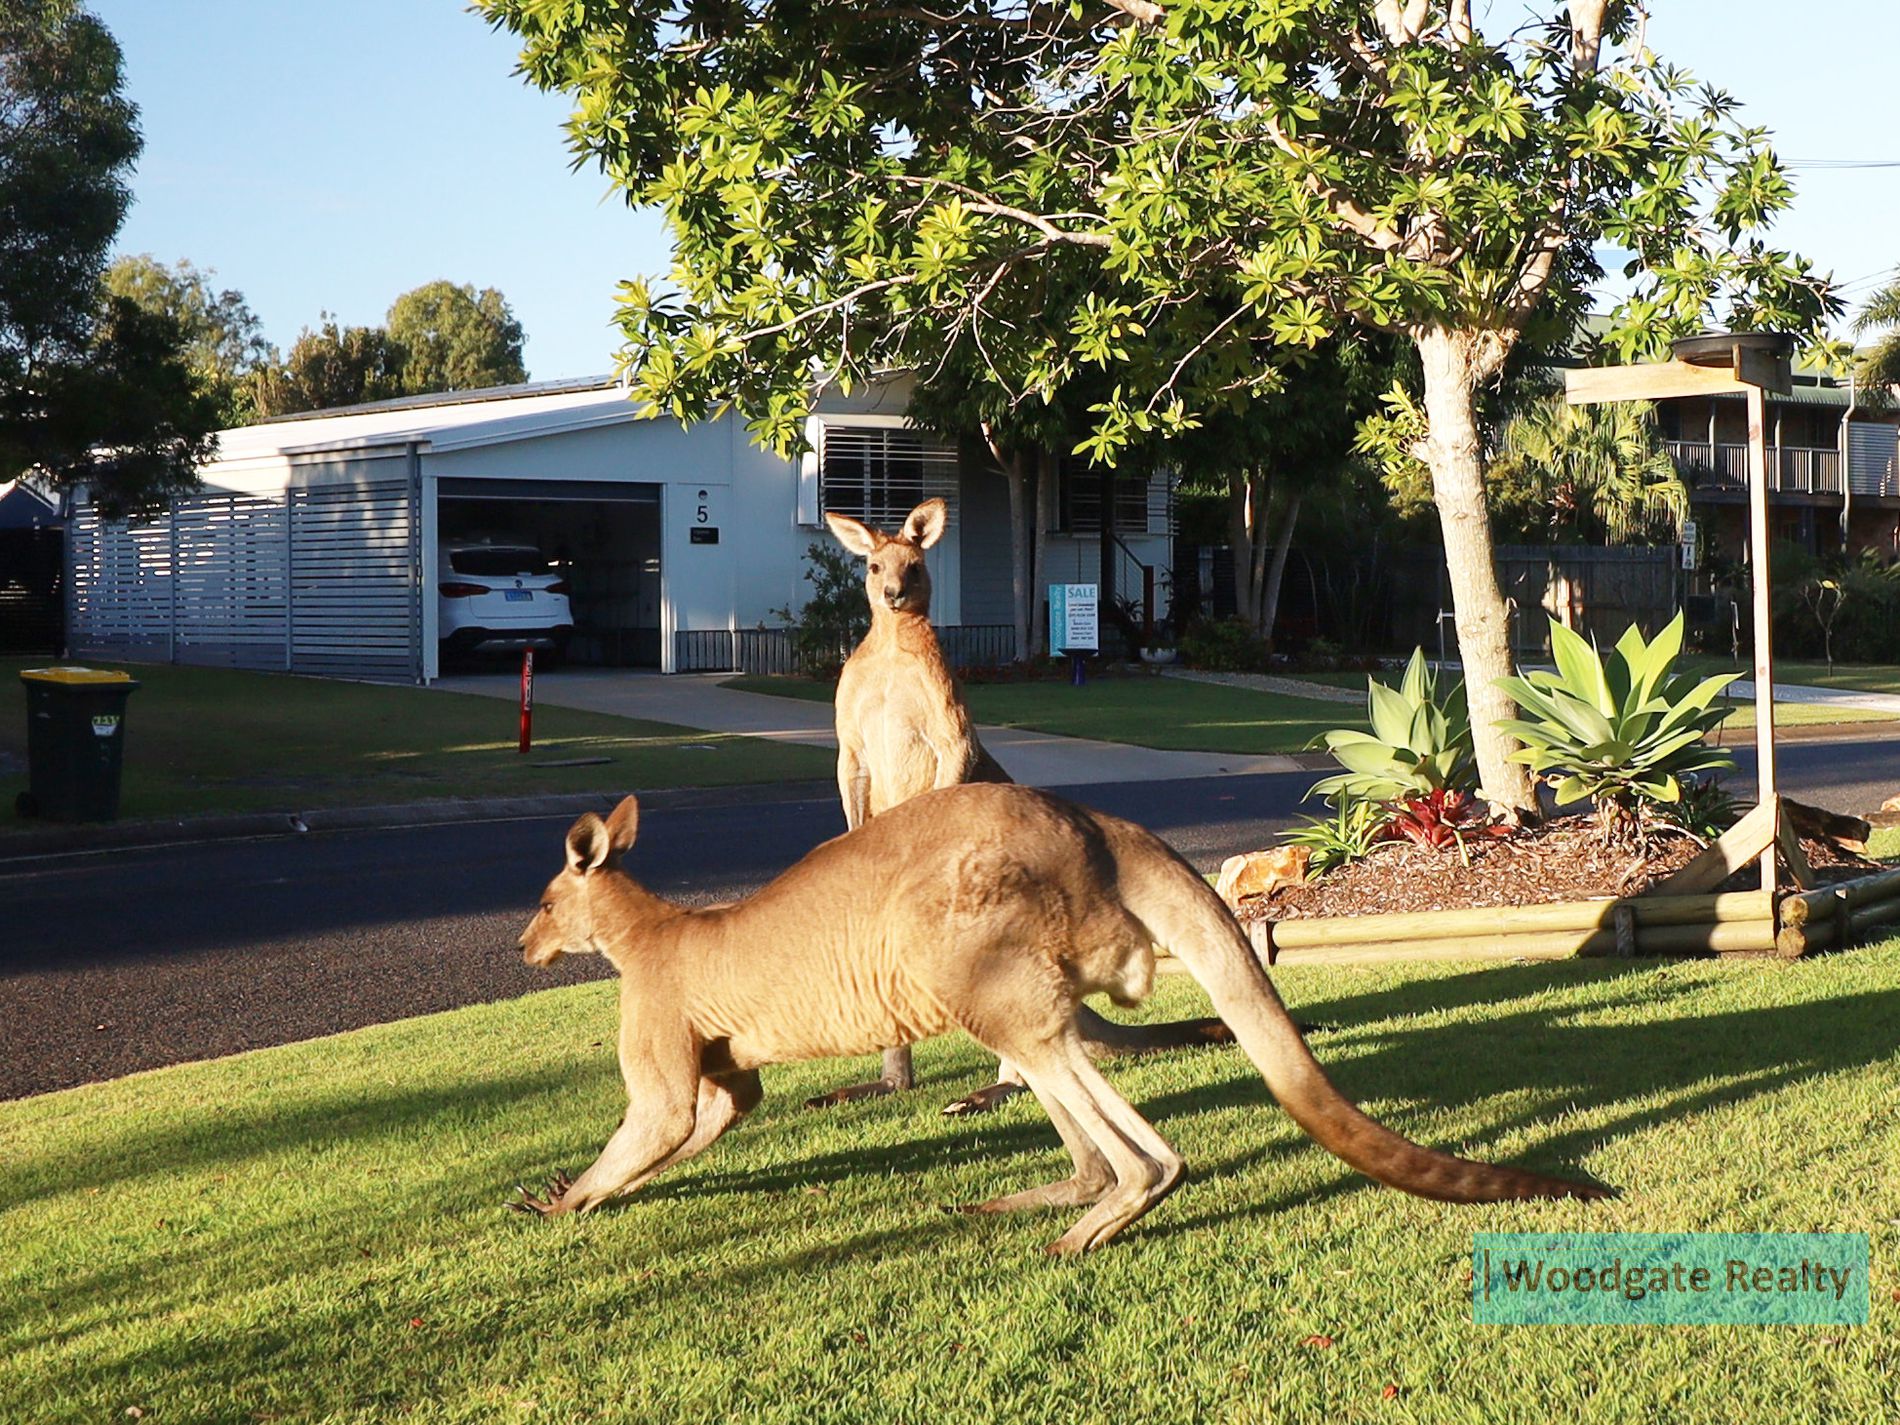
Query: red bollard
x=527, y=700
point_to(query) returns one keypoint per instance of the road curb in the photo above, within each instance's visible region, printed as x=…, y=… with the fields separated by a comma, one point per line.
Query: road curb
x=250, y=826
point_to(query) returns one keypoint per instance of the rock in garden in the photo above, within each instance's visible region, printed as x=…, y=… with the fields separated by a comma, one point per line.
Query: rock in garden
x=1260, y=873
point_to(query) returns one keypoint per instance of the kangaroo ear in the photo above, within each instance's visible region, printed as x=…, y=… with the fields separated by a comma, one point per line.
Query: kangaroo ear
x=587, y=844
x=623, y=824
x=926, y=523
x=852, y=535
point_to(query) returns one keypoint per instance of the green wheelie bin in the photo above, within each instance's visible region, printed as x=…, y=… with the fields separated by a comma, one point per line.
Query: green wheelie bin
x=75, y=742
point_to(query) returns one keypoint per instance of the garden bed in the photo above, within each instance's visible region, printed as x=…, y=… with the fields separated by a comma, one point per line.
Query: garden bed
x=1558, y=891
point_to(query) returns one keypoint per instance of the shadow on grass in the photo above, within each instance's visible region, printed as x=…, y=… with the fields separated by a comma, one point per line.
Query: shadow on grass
x=1542, y=1049
x=207, y=1141
x=1565, y=1065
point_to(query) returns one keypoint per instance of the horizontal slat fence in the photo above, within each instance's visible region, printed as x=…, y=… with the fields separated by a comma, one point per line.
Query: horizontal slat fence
x=322, y=580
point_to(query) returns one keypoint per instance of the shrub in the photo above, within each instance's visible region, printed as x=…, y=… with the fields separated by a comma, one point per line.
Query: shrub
x=1420, y=741
x=1705, y=809
x=1622, y=731
x=1223, y=646
x=835, y=618
x=1349, y=834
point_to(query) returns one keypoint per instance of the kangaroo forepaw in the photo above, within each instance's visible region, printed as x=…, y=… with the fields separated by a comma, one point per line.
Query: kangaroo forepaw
x=546, y=1203
x=877, y=1088
x=983, y=1100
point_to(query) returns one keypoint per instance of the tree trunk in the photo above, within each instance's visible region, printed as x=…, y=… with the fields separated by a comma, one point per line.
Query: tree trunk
x=1009, y=464
x=1276, y=569
x=1451, y=367
x=1019, y=584
x=1039, y=569
x=1247, y=493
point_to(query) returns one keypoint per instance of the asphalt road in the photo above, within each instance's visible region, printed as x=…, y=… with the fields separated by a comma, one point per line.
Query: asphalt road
x=128, y=960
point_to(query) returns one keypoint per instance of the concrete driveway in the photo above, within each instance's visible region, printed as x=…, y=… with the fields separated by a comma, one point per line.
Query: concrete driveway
x=1036, y=759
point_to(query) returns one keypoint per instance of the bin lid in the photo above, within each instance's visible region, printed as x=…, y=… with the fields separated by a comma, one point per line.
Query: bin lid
x=74, y=675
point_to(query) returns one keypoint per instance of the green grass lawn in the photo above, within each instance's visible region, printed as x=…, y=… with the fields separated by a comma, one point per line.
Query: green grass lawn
x=1743, y=716
x=315, y=1233
x=1147, y=711
x=217, y=740
x=1851, y=677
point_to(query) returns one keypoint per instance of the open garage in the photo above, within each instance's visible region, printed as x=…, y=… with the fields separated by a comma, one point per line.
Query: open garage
x=601, y=539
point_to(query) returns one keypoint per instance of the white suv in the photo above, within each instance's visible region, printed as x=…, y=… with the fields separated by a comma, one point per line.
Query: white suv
x=498, y=597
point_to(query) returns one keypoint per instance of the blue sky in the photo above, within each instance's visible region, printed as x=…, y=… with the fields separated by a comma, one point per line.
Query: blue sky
x=330, y=154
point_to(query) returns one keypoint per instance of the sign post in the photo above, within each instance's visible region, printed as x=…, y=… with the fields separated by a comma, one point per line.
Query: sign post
x=1075, y=624
x=527, y=701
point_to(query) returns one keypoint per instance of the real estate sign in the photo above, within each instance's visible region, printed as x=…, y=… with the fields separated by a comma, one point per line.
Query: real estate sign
x=1074, y=620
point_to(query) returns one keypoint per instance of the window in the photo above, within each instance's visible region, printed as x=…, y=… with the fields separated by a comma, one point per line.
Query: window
x=879, y=474
x=1079, y=500
x=497, y=560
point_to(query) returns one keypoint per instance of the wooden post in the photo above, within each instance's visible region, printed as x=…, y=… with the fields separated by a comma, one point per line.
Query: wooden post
x=527, y=702
x=1764, y=615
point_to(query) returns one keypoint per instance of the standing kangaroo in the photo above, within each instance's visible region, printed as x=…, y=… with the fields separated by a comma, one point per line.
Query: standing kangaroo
x=989, y=909
x=904, y=729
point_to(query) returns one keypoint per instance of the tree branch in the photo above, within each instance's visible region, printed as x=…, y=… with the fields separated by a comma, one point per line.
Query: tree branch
x=1586, y=33
x=1348, y=213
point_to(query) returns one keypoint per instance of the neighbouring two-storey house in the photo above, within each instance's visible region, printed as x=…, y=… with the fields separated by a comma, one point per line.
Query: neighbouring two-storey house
x=1833, y=467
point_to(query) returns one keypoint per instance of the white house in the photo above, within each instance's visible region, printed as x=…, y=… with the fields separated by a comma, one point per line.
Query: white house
x=312, y=545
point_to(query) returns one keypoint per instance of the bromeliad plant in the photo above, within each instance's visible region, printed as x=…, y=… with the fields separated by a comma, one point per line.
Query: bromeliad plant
x=1440, y=820
x=1620, y=730
x=1420, y=742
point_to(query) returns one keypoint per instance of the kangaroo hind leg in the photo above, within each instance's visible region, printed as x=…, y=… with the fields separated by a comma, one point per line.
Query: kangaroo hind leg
x=1145, y=1166
x=1092, y=1179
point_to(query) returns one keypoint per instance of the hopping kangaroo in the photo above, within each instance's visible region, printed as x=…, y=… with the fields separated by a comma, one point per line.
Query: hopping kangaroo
x=989, y=909
x=904, y=729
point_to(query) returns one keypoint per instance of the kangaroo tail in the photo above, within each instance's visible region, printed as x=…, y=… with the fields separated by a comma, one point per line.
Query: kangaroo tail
x=1181, y=912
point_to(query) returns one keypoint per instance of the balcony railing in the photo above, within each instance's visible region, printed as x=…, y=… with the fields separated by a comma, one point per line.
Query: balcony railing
x=1792, y=469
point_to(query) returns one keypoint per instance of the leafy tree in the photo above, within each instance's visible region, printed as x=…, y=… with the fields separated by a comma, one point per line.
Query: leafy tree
x=1880, y=366
x=224, y=339
x=331, y=366
x=439, y=337
x=92, y=390
x=1280, y=448
x=856, y=187
x=449, y=338
x=1596, y=473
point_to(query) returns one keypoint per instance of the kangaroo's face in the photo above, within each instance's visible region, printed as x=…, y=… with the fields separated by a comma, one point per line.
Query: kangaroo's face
x=567, y=922
x=895, y=576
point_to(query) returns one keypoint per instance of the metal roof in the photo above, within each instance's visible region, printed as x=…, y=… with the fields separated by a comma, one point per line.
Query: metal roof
x=455, y=422
x=453, y=398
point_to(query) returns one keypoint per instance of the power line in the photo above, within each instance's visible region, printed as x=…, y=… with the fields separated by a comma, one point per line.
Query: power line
x=1830, y=165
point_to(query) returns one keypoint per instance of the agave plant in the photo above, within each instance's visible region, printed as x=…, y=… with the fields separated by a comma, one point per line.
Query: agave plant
x=1622, y=729
x=1420, y=741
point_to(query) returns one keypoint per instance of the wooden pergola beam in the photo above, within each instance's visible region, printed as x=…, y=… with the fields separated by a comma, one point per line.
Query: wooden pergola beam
x=1752, y=373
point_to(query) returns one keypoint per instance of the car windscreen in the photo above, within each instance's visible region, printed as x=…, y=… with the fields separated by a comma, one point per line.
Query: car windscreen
x=497, y=560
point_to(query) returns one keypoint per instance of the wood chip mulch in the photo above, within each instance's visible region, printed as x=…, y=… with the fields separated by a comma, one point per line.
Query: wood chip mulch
x=1561, y=860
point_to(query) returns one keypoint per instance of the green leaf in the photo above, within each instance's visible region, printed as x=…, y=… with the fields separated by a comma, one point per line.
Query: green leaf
x=1391, y=718
x=1582, y=670
x=1570, y=789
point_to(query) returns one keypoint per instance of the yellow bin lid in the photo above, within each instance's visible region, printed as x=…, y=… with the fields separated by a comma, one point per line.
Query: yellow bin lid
x=75, y=675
